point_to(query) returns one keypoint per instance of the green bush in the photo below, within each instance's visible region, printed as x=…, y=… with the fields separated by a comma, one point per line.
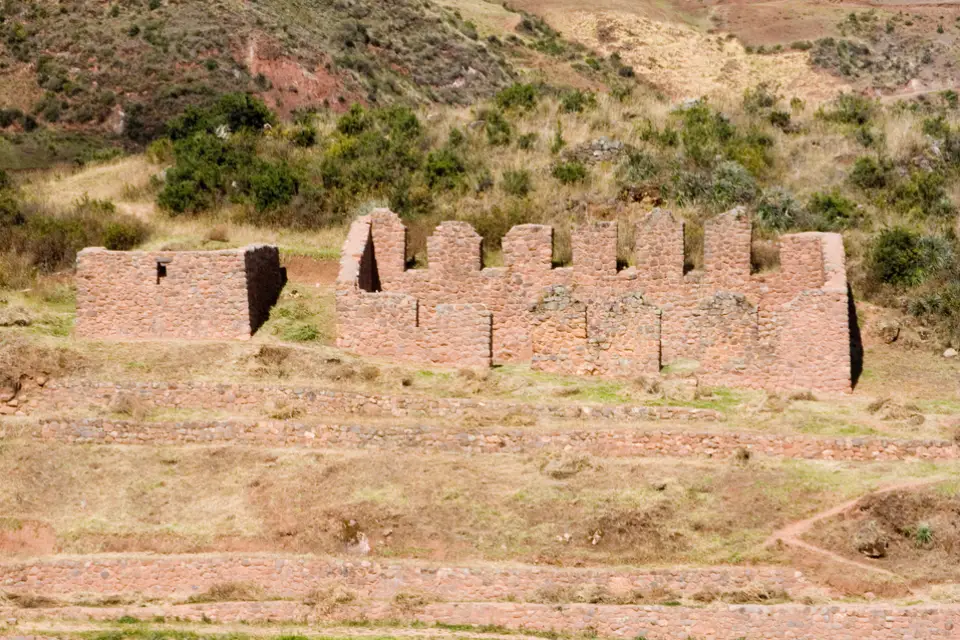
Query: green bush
x=577, y=101
x=570, y=172
x=304, y=135
x=273, y=185
x=123, y=234
x=519, y=96
x=897, y=258
x=705, y=134
x=527, y=141
x=444, y=169
x=780, y=119
x=732, y=185
x=777, y=209
x=869, y=173
x=206, y=168
x=923, y=195
x=516, y=182
x=832, y=210
x=237, y=112
x=637, y=167
x=496, y=126
x=760, y=98
x=49, y=240
x=849, y=108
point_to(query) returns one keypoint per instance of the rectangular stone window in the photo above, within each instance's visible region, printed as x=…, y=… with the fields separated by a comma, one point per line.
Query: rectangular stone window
x=162, y=267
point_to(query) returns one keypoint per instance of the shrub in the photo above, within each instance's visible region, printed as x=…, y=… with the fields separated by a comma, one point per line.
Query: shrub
x=896, y=257
x=777, y=209
x=833, y=210
x=519, y=96
x=237, y=112
x=577, y=101
x=123, y=234
x=849, y=108
x=444, y=169
x=46, y=241
x=732, y=185
x=569, y=172
x=527, y=141
x=923, y=536
x=780, y=119
x=869, y=173
x=637, y=167
x=516, y=182
x=497, y=127
x=923, y=195
x=304, y=136
x=705, y=134
x=272, y=185
x=760, y=98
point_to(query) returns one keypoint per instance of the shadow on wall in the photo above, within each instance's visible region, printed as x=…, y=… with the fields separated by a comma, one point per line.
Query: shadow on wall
x=856, y=342
x=265, y=280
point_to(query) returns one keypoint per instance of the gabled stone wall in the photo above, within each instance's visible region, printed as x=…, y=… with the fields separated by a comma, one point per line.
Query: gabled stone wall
x=787, y=329
x=176, y=294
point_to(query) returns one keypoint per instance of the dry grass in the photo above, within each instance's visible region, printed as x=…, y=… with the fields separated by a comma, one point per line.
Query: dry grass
x=229, y=592
x=434, y=506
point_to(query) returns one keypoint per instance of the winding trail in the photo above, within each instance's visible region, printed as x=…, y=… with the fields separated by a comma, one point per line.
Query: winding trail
x=791, y=534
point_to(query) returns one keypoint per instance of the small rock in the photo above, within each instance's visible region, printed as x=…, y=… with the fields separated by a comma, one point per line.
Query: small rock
x=15, y=317
x=950, y=353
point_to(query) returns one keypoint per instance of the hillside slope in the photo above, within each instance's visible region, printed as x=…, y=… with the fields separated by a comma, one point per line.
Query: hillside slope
x=129, y=66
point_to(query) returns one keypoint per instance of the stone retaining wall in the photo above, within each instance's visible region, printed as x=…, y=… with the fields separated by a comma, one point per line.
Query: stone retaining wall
x=59, y=396
x=735, y=622
x=600, y=442
x=297, y=576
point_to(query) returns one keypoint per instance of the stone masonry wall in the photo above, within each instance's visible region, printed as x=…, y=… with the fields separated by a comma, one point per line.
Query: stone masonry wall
x=391, y=324
x=292, y=576
x=86, y=396
x=491, y=440
x=654, y=622
x=782, y=330
x=176, y=294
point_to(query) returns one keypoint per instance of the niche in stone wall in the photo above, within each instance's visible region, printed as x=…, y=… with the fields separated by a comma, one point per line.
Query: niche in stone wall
x=764, y=255
x=692, y=247
x=369, y=277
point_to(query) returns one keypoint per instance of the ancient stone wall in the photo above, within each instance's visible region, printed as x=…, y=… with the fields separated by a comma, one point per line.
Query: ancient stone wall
x=785, y=329
x=882, y=621
x=176, y=294
x=606, y=442
x=292, y=576
x=90, y=396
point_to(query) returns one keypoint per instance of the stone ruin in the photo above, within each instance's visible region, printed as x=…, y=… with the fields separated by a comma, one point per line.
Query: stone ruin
x=176, y=294
x=785, y=329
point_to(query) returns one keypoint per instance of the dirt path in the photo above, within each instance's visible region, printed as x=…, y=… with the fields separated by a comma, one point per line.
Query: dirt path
x=792, y=534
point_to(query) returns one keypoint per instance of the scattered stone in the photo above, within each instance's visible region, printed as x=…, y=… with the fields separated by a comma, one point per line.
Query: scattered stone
x=950, y=353
x=871, y=541
x=15, y=317
x=361, y=547
x=889, y=331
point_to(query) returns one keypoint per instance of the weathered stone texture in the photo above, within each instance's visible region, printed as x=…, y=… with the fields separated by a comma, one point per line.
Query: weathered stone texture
x=292, y=576
x=719, y=622
x=83, y=396
x=606, y=442
x=176, y=294
x=786, y=329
